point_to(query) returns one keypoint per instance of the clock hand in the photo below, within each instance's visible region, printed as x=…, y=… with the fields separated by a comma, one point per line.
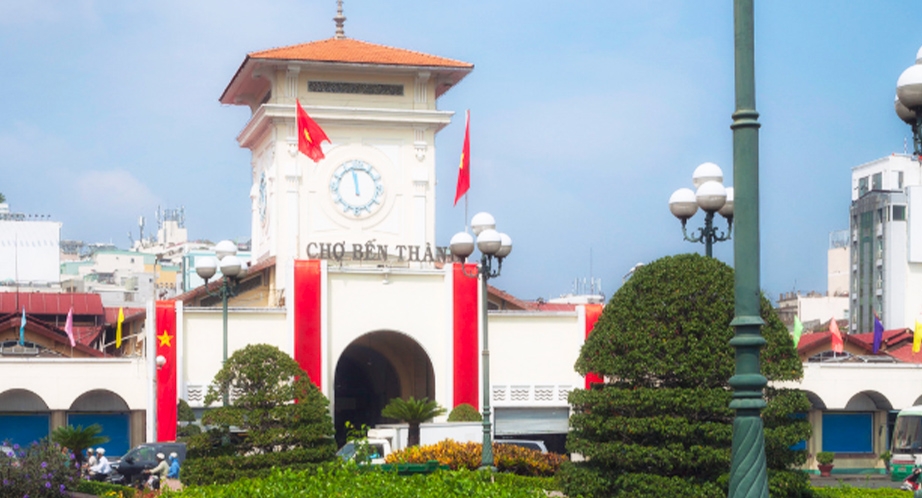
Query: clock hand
x=355, y=181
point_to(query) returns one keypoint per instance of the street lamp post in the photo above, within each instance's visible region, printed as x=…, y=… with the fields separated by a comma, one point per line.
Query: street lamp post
x=712, y=197
x=494, y=246
x=748, y=473
x=908, y=102
x=233, y=270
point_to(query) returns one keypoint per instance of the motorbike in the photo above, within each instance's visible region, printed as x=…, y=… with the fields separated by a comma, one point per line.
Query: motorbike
x=912, y=483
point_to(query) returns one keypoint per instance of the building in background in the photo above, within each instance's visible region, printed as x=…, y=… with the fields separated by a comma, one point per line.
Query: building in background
x=29, y=251
x=815, y=308
x=886, y=243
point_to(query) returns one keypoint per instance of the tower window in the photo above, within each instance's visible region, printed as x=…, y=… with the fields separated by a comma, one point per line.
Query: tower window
x=899, y=213
x=354, y=88
x=862, y=186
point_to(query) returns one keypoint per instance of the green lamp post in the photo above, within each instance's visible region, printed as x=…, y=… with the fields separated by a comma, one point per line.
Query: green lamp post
x=748, y=474
x=712, y=197
x=908, y=102
x=494, y=246
x=232, y=270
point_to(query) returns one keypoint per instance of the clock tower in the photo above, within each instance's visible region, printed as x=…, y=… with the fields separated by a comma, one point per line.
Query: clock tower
x=376, y=185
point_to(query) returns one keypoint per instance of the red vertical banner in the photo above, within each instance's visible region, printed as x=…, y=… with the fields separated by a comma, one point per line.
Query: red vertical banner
x=593, y=311
x=307, y=293
x=166, y=342
x=465, y=339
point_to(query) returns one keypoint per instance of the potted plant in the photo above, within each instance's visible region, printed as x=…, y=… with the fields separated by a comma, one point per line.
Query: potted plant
x=885, y=456
x=824, y=461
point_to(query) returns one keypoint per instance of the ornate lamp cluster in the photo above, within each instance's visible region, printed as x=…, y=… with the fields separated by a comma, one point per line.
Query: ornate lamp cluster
x=712, y=197
x=233, y=271
x=494, y=246
x=908, y=102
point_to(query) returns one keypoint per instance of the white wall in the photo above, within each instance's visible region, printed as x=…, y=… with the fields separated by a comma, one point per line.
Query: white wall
x=837, y=383
x=532, y=357
x=201, y=334
x=60, y=381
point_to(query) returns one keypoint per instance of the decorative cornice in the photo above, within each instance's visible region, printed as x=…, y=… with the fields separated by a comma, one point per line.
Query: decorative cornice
x=266, y=113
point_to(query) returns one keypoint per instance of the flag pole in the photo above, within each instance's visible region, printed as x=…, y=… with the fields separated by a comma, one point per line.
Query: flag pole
x=467, y=220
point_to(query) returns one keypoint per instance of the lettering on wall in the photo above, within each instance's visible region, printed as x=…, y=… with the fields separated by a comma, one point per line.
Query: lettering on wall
x=370, y=251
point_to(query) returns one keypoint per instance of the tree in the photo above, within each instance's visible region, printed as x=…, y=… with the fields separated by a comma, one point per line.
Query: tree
x=661, y=424
x=413, y=412
x=2, y=198
x=276, y=405
x=78, y=439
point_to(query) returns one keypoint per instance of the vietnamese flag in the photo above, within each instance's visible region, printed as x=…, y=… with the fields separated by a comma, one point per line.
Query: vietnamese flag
x=837, y=344
x=165, y=341
x=464, y=169
x=310, y=135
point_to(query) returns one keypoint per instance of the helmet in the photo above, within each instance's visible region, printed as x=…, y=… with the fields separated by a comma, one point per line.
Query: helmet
x=174, y=455
x=160, y=456
x=101, y=450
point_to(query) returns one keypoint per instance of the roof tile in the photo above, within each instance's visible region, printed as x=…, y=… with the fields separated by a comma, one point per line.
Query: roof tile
x=358, y=52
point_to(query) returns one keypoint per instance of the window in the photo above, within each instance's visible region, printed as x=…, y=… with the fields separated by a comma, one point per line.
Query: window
x=354, y=88
x=899, y=213
x=877, y=181
x=862, y=186
x=899, y=180
x=847, y=432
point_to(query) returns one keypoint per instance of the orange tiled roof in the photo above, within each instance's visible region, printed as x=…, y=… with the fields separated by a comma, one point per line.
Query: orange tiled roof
x=357, y=52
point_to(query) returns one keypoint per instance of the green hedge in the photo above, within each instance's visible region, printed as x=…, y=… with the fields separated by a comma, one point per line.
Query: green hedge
x=228, y=468
x=96, y=488
x=849, y=492
x=346, y=482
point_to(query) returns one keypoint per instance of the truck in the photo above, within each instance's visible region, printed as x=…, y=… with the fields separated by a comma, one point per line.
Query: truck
x=429, y=433
x=384, y=439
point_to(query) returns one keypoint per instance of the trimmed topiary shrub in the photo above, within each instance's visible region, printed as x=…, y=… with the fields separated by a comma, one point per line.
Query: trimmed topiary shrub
x=663, y=426
x=506, y=457
x=465, y=413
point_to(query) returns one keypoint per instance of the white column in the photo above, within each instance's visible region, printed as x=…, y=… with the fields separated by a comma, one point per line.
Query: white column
x=150, y=324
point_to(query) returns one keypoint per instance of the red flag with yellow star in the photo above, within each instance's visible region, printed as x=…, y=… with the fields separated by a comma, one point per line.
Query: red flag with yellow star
x=310, y=135
x=165, y=340
x=464, y=169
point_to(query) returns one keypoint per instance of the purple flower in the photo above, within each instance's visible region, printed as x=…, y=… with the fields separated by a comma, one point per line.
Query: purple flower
x=62, y=488
x=6, y=482
x=16, y=446
x=44, y=464
x=47, y=484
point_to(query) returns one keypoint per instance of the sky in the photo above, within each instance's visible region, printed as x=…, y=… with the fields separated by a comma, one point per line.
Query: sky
x=585, y=117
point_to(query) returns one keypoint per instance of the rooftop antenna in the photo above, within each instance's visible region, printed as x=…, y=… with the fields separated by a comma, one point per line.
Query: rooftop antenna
x=340, y=19
x=141, y=227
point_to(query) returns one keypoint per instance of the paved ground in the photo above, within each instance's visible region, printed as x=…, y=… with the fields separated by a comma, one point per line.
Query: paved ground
x=868, y=481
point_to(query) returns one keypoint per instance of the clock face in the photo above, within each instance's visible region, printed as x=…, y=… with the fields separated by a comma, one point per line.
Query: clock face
x=262, y=197
x=356, y=188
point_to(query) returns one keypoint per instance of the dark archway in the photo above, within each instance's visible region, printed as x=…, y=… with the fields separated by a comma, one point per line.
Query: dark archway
x=374, y=369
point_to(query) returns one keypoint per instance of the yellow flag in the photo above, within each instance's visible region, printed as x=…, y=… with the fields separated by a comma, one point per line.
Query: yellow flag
x=118, y=328
x=917, y=338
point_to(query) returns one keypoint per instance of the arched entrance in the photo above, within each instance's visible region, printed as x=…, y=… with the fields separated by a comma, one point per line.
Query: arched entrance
x=110, y=411
x=374, y=369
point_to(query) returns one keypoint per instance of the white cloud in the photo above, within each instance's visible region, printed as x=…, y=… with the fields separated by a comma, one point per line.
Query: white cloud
x=113, y=191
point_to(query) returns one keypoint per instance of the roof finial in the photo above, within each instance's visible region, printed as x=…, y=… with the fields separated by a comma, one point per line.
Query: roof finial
x=340, y=20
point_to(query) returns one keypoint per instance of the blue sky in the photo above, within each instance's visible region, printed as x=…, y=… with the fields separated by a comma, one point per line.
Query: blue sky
x=586, y=116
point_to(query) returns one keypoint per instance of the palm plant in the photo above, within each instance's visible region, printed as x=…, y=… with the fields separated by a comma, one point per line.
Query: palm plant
x=79, y=438
x=413, y=412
